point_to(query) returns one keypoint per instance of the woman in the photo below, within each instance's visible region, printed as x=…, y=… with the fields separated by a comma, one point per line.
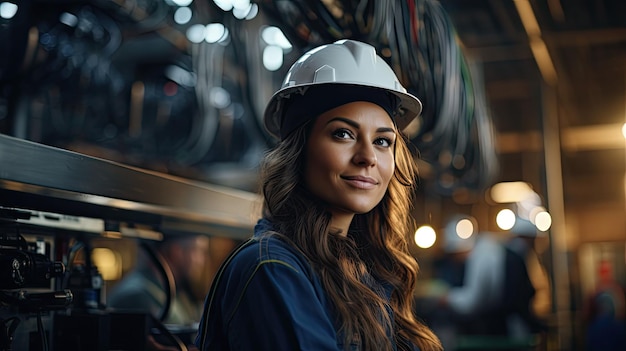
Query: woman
x=328, y=267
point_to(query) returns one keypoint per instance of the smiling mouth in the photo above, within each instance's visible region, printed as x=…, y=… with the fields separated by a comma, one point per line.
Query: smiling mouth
x=361, y=182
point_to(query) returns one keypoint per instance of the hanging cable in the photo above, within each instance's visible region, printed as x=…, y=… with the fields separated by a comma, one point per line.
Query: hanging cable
x=166, y=272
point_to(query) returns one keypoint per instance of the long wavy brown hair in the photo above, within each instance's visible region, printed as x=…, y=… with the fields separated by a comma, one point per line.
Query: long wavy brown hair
x=374, y=247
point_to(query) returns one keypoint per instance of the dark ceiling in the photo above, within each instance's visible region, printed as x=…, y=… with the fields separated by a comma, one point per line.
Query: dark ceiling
x=586, y=41
x=77, y=88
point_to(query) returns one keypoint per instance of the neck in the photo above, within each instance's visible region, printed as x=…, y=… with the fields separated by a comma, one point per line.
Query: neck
x=340, y=222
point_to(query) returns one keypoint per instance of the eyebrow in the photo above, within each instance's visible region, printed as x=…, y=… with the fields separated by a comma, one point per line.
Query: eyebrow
x=357, y=125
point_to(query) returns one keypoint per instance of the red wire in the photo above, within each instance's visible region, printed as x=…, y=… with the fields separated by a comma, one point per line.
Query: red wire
x=413, y=21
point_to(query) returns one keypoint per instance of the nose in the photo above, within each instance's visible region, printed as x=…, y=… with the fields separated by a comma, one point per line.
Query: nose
x=365, y=155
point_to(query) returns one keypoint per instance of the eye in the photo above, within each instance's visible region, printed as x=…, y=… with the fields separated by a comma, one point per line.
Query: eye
x=384, y=142
x=342, y=133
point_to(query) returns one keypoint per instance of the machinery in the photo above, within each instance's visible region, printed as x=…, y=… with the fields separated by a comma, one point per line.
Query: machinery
x=53, y=204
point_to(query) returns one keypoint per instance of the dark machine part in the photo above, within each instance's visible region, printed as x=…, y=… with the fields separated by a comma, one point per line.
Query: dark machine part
x=21, y=265
x=7, y=330
x=87, y=284
x=33, y=302
x=24, y=265
x=23, y=269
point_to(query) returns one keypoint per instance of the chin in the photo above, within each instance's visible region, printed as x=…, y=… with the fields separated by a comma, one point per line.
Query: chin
x=363, y=210
x=354, y=206
x=359, y=210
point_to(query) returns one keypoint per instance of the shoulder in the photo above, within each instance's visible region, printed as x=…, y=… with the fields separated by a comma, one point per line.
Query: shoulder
x=264, y=272
x=268, y=251
x=488, y=251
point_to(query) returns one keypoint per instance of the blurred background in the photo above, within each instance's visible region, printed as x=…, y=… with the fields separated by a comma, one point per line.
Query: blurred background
x=132, y=121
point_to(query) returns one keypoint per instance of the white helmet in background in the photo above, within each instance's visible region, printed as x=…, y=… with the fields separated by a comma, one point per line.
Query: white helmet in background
x=343, y=64
x=460, y=234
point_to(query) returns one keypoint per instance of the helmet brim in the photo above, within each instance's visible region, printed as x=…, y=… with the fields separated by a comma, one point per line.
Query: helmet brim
x=409, y=106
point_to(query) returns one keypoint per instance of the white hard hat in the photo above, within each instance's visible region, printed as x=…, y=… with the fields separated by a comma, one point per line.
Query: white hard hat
x=345, y=64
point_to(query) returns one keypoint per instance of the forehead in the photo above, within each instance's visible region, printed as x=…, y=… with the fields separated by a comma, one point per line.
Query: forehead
x=362, y=112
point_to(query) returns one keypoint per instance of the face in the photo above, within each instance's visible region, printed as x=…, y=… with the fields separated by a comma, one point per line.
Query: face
x=350, y=157
x=190, y=257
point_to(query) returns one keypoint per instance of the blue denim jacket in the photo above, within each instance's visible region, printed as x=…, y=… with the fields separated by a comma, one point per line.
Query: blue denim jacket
x=268, y=298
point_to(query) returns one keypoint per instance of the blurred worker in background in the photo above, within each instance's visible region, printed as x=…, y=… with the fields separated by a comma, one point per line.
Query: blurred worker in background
x=448, y=272
x=495, y=303
x=534, y=299
x=144, y=288
x=605, y=312
x=477, y=300
x=449, y=268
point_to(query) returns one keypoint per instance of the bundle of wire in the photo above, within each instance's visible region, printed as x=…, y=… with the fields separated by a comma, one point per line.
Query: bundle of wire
x=456, y=134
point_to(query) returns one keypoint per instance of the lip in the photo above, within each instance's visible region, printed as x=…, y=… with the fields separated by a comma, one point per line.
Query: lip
x=361, y=182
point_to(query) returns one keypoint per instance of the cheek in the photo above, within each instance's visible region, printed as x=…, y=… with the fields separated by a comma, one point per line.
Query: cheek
x=315, y=167
x=321, y=159
x=387, y=166
x=322, y=169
